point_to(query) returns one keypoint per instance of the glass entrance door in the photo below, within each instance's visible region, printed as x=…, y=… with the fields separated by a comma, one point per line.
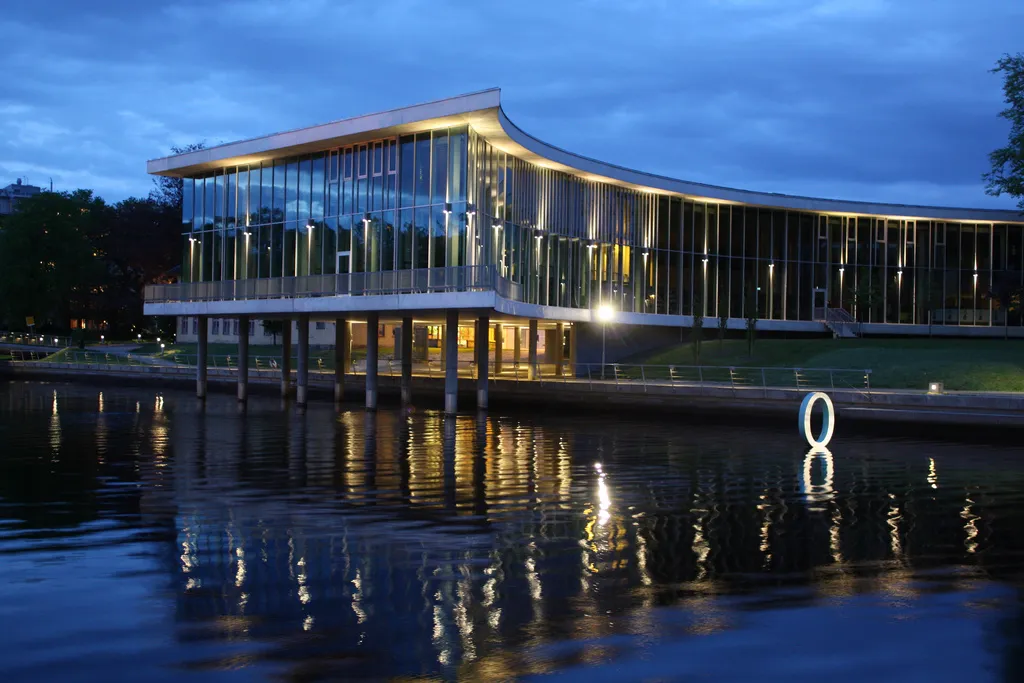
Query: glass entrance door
x=820, y=302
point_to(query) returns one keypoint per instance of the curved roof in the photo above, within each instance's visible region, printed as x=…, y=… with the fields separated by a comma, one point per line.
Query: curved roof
x=482, y=110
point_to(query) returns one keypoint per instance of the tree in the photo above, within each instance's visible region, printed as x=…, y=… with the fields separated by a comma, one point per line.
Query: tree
x=752, y=317
x=50, y=268
x=274, y=328
x=696, y=334
x=1007, y=174
x=865, y=293
x=168, y=191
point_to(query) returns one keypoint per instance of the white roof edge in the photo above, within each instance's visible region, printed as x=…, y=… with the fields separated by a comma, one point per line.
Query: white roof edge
x=483, y=110
x=640, y=179
x=295, y=141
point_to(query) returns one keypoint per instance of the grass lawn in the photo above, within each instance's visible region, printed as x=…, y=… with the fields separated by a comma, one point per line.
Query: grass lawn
x=961, y=364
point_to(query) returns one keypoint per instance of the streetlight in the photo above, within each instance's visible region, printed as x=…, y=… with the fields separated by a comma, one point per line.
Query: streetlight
x=604, y=315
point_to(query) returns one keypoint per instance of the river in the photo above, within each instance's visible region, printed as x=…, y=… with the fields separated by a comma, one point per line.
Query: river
x=147, y=536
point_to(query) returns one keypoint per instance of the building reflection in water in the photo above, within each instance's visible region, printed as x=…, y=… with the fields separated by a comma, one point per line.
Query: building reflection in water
x=463, y=546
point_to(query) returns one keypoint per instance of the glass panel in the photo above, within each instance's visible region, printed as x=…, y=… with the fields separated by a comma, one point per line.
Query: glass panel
x=422, y=169
x=440, y=168
x=187, y=204
x=317, y=207
x=408, y=171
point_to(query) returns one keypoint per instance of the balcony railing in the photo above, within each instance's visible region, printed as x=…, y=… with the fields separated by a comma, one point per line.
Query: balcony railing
x=423, y=280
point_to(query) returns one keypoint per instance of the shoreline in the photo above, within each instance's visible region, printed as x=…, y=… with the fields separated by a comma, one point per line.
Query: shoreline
x=726, y=404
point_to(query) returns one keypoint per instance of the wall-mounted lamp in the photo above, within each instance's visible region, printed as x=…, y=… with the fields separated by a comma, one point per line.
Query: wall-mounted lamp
x=366, y=218
x=447, y=208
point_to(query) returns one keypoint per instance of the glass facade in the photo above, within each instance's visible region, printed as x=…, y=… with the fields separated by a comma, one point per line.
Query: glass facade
x=448, y=197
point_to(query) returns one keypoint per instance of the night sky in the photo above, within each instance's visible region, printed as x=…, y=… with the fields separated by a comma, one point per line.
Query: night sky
x=856, y=99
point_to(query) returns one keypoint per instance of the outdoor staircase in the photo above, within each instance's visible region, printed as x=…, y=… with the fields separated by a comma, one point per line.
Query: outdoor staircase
x=841, y=323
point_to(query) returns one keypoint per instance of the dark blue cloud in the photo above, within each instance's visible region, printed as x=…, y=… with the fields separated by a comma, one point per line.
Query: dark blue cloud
x=860, y=99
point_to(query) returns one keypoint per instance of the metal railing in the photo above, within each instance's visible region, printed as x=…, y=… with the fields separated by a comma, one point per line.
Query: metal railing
x=34, y=339
x=423, y=280
x=740, y=380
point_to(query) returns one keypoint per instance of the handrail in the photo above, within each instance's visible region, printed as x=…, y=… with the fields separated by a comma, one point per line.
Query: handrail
x=34, y=339
x=421, y=280
x=622, y=376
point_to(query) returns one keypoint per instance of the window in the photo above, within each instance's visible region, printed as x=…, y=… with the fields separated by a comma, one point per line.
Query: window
x=940, y=234
x=822, y=230
x=880, y=231
x=378, y=159
x=252, y=328
x=184, y=325
x=333, y=166
x=348, y=164
x=195, y=325
x=266, y=333
x=363, y=153
x=234, y=327
x=216, y=326
x=321, y=326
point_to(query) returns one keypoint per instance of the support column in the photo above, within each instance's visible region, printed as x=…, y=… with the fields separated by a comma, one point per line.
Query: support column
x=441, y=346
x=534, y=369
x=482, y=347
x=302, y=374
x=451, y=368
x=559, y=348
x=286, y=358
x=499, y=341
x=341, y=337
x=572, y=349
x=243, y=358
x=201, y=357
x=517, y=349
x=406, y=343
x=372, y=345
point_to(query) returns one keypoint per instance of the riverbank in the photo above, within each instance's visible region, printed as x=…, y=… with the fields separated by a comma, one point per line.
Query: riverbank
x=730, y=403
x=991, y=365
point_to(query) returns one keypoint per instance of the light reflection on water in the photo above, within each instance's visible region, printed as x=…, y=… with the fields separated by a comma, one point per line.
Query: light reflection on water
x=144, y=536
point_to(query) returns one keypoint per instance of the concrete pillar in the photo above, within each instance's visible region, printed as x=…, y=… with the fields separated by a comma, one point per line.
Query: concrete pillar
x=286, y=358
x=482, y=347
x=533, y=367
x=201, y=356
x=499, y=334
x=517, y=348
x=302, y=374
x=559, y=348
x=341, y=340
x=406, y=353
x=442, y=347
x=243, y=358
x=372, y=345
x=451, y=368
x=572, y=349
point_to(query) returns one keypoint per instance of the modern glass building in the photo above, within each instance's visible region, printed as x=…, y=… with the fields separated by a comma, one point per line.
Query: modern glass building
x=448, y=206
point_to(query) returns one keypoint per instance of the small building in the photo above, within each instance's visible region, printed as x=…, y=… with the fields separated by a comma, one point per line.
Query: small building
x=11, y=195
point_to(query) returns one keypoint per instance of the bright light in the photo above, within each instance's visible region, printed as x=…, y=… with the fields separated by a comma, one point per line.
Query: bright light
x=161, y=346
x=101, y=338
x=158, y=339
x=605, y=313
x=140, y=336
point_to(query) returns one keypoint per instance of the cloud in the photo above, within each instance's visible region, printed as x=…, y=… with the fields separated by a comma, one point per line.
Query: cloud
x=861, y=99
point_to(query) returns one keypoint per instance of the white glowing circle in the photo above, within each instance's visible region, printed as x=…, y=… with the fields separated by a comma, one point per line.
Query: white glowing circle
x=828, y=423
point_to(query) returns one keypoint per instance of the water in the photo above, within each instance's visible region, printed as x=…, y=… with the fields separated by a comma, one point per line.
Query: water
x=145, y=537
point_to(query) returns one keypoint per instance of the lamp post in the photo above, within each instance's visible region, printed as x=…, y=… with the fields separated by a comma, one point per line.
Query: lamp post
x=604, y=315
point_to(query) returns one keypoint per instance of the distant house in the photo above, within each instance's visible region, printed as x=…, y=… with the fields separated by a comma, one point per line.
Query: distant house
x=14, y=193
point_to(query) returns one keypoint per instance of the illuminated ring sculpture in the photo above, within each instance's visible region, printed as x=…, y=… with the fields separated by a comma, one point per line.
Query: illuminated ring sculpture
x=828, y=423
